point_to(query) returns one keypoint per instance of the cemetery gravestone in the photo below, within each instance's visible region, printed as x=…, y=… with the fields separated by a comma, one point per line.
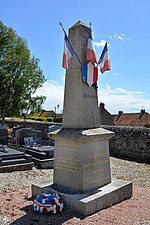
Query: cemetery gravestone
x=15, y=129
x=11, y=159
x=82, y=173
x=30, y=141
x=3, y=135
x=26, y=133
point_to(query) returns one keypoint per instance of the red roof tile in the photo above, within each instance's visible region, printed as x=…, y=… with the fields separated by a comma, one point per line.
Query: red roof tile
x=132, y=119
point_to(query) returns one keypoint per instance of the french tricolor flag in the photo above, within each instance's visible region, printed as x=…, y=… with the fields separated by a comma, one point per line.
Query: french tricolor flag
x=68, y=52
x=90, y=52
x=104, y=61
x=90, y=73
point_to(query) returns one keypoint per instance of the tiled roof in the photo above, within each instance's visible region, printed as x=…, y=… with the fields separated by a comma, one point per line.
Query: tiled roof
x=43, y=114
x=132, y=119
x=48, y=114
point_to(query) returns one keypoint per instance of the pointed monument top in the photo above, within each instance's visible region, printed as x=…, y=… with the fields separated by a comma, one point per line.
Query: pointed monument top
x=80, y=100
x=80, y=23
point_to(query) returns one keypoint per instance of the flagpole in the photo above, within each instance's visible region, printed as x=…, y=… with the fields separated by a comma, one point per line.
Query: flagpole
x=71, y=44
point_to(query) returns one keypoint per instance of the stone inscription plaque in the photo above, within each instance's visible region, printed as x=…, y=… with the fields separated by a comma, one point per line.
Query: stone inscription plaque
x=81, y=166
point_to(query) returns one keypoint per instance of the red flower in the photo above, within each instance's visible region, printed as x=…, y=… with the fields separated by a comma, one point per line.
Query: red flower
x=60, y=200
x=53, y=201
x=57, y=208
x=44, y=210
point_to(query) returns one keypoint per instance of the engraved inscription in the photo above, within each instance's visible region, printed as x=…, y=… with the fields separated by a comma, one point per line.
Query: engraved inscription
x=96, y=163
x=69, y=147
x=89, y=96
x=68, y=164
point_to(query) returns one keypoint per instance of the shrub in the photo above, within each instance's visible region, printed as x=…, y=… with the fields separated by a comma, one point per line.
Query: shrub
x=147, y=125
x=36, y=118
x=49, y=119
x=57, y=119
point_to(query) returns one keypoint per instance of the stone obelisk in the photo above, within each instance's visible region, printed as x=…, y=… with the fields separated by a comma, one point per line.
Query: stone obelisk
x=81, y=146
x=80, y=100
x=81, y=156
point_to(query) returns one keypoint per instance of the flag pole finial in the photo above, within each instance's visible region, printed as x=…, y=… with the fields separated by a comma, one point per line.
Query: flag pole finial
x=70, y=43
x=60, y=23
x=90, y=24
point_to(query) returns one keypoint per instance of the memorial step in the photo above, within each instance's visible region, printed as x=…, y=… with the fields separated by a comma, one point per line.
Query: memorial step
x=13, y=161
x=7, y=157
x=39, y=155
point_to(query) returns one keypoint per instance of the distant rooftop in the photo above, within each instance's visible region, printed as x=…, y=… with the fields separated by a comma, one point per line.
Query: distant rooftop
x=137, y=119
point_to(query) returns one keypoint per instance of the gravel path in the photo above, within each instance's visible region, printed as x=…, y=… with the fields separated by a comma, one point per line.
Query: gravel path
x=15, y=187
x=138, y=173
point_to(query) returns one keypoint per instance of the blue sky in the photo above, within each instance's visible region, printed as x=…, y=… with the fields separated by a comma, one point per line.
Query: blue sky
x=123, y=24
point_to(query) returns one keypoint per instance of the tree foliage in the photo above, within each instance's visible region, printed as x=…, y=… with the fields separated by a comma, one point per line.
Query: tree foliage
x=20, y=75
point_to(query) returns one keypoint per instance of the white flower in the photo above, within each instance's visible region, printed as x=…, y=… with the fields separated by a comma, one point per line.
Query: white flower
x=41, y=209
x=43, y=201
x=61, y=207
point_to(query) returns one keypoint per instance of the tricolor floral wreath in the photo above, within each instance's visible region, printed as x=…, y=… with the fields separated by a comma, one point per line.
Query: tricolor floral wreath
x=48, y=202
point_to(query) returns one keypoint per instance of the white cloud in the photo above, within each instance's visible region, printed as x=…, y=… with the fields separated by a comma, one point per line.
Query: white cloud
x=115, y=73
x=121, y=99
x=120, y=36
x=115, y=99
x=101, y=43
x=54, y=93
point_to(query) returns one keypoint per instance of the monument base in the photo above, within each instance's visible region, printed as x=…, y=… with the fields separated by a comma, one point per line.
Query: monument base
x=82, y=174
x=81, y=158
x=92, y=201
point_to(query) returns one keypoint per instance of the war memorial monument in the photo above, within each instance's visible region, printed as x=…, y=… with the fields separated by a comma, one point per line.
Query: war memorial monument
x=82, y=174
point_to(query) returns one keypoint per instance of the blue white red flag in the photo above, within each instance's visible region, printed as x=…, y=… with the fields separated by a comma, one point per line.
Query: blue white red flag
x=90, y=52
x=104, y=61
x=68, y=53
x=90, y=73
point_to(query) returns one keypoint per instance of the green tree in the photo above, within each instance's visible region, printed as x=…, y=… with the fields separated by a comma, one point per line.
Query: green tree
x=20, y=75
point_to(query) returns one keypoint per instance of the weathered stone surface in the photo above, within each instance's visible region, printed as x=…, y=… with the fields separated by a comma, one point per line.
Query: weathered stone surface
x=92, y=201
x=81, y=158
x=130, y=143
x=80, y=100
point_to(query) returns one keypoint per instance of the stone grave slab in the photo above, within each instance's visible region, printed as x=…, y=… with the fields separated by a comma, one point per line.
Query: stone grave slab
x=43, y=156
x=11, y=160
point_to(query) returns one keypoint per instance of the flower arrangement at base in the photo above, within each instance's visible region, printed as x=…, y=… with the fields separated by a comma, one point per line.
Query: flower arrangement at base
x=48, y=203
